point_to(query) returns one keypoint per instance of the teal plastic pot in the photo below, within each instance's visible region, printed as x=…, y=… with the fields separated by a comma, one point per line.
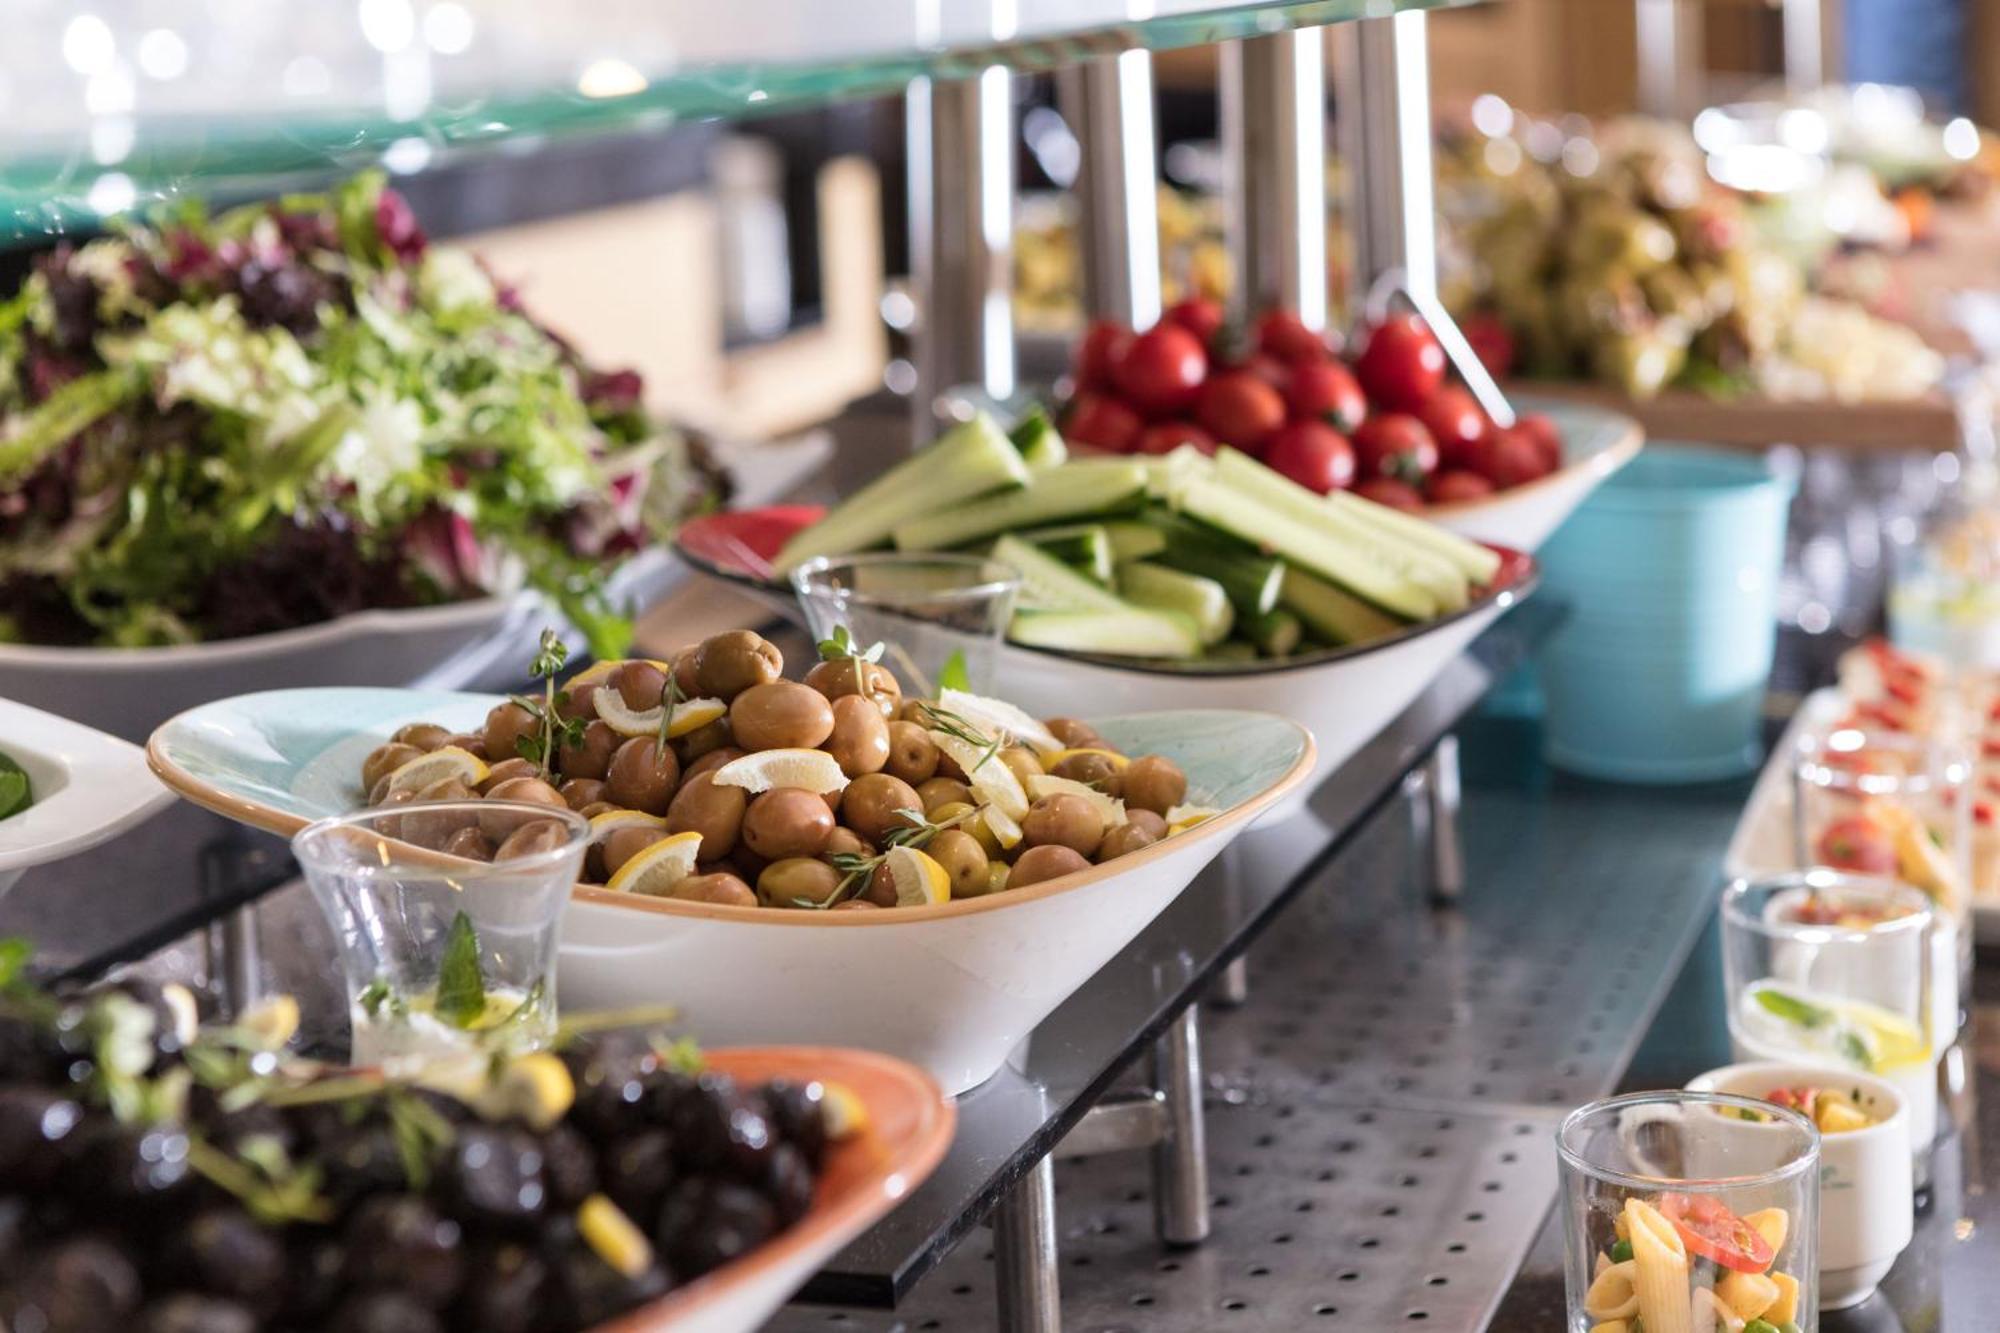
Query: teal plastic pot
x=1670, y=570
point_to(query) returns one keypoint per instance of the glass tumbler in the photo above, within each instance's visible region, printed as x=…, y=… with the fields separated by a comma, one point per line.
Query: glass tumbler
x=444, y=955
x=1681, y=1207
x=922, y=607
x=1844, y=972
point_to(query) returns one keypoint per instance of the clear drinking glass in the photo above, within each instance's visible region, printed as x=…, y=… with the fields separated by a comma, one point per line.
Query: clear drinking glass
x=1845, y=972
x=923, y=607
x=444, y=955
x=1680, y=1204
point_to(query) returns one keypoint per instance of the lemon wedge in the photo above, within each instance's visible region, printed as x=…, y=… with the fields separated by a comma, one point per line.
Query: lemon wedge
x=447, y=761
x=606, y=821
x=1181, y=818
x=1109, y=808
x=656, y=869
x=689, y=715
x=995, y=716
x=840, y=1106
x=920, y=881
x=1005, y=831
x=992, y=781
x=1112, y=757
x=613, y=1237
x=815, y=771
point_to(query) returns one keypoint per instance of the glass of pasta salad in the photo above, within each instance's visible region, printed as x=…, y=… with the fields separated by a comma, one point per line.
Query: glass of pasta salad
x=1689, y=1212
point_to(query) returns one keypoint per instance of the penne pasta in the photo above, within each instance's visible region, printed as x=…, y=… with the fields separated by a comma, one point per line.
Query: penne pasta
x=1611, y=1326
x=1749, y=1294
x=1661, y=1270
x=1773, y=1224
x=1784, y=1310
x=1597, y=1269
x=1712, y=1316
x=1612, y=1295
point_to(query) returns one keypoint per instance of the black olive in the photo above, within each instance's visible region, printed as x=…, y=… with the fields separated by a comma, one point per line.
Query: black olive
x=707, y=1227
x=507, y=1289
x=223, y=1250
x=400, y=1243
x=27, y=1051
x=34, y=1123
x=230, y=1129
x=797, y=1112
x=137, y=1166
x=789, y=1182
x=612, y=1081
x=493, y=1176
x=14, y=1232
x=318, y=1278
x=362, y=1160
x=590, y=1291
x=382, y=1312
x=638, y=1170
x=666, y=1089
x=750, y=1141
x=196, y=1314
x=569, y=1166
x=82, y=1284
x=700, y=1122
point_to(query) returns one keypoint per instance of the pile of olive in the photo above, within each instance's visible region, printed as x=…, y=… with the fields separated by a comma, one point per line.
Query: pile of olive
x=790, y=847
x=113, y=1221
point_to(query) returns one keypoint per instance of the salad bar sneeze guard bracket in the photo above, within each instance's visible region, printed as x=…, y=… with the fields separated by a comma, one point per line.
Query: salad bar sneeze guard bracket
x=1108, y=103
x=1274, y=128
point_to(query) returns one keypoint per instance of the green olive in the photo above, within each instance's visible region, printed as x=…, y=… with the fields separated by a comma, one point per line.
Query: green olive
x=859, y=741
x=1154, y=782
x=622, y=844
x=578, y=701
x=856, y=905
x=796, y=881
x=499, y=824
x=1152, y=823
x=913, y=755
x=590, y=756
x=582, y=793
x=1049, y=861
x=426, y=736
x=1076, y=735
x=845, y=841
x=725, y=665
x=875, y=805
x=1127, y=837
x=533, y=839
x=780, y=715
x=596, y=808
x=1093, y=770
x=718, y=887
x=470, y=843
x=472, y=742
x=964, y=860
x=640, y=684
x=943, y=791
x=787, y=822
x=1022, y=762
x=507, y=770
x=684, y=672
x=1063, y=820
x=434, y=828
x=643, y=775
x=716, y=813
x=713, y=760
x=384, y=760
x=506, y=727
x=846, y=677
x=705, y=739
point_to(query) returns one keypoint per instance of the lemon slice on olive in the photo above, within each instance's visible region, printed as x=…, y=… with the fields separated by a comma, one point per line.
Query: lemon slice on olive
x=920, y=881
x=993, y=782
x=1111, y=757
x=842, y=1110
x=689, y=715
x=1181, y=818
x=1109, y=808
x=1005, y=831
x=613, y=1237
x=995, y=716
x=815, y=771
x=656, y=869
x=605, y=822
x=595, y=673
x=447, y=761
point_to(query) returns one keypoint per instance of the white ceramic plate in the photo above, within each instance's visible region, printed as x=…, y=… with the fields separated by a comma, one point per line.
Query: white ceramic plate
x=88, y=787
x=951, y=988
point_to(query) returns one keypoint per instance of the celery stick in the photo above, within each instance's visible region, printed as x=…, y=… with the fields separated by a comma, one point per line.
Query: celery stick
x=1073, y=490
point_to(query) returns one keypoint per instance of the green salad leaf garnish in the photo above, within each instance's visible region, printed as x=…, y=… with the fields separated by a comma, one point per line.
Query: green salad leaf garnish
x=17, y=793
x=461, y=992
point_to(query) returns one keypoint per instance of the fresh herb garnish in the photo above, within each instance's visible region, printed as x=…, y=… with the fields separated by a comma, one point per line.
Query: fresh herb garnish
x=16, y=792
x=556, y=730
x=461, y=992
x=951, y=724
x=854, y=868
x=671, y=699
x=954, y=675
x=1793, y=1010
x=263, y=1178
x=421, y=1133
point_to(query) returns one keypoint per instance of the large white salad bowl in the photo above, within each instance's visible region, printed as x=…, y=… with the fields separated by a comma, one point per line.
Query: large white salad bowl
x=951, y=987
x=1596, y=443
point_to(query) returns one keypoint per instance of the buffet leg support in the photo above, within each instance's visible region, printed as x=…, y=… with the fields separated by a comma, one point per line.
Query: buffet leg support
x=1441, y=800
x=1108, y=103
x=1232, y=985
x=1024, y=1254
x=1274, y=129
x=1180, y=1158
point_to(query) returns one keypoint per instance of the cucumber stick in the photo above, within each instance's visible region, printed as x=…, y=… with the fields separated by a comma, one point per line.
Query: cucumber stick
x=1354, y=565
x=1479, y=563
x=968, y=461
x=1074, y=490
x=1049, y=584
x=1442, y=579
x=1040, y=444
x=1276, y=633
x=1082, y=546
x=1134, y=540
x=1159, y=588
x=1132, y=632
x=1332, y=614
x=1250, y=579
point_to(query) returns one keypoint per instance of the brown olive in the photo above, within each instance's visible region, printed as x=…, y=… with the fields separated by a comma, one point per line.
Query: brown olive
x=797, y=880
x=506, y=727
x=507, y=770
x=640, y=684
x=470, y=843
x=622, y=844
x=963, y=859
x=472, y=742
x=684, y=673
x=913, y=710
x=874, y=805
x=1065, y=820
x=384, y=760
x=856, y=905
x=1127, y=837
x=1049, y=861
x=426, y=736
x=844, y=841
x=719, y=887
x=913, y=755
x=1148, y=820
x=780, y=715
x=590, y=756
x=1075, y=735
x=746, y=863
x=1154, y=783
x=499, y=824
x=1093, y=770
x=880, y=889
x=643, y=775
x=947, y=767
x=533, y=839
x=859, y=742
x=716, y=813
x=596, y=808
x=713, y=760
x=1022, y=762
x=582, y=792
x=434, y=828
x=846, y=676
x=787, y=821
x=943, y=791
x=727, y=664
x=705, y=739
x=578, y=701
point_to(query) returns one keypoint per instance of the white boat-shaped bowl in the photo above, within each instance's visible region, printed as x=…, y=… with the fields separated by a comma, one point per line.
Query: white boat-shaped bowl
x=88, y=788
x=1596, y=443
x=951, y=988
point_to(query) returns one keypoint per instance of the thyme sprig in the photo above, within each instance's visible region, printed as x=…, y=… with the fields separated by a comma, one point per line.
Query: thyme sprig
x=951, y=724
x=671, y=699
x=556, y=730
x=855, y=869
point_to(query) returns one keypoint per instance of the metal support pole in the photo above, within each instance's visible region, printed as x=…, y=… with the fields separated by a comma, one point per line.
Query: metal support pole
x=1441, y=794
x=1805, y=45
x=1385, y=140
x=961, y=169
x=1180, y=1159
x=1108, y=103
x=1232, y=985
x=1274, y=137
x=1670, y=56
x=1024, y=1254
x=233, y=961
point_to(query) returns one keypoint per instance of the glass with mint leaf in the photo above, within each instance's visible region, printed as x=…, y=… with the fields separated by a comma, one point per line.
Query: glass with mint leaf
x=927, y=617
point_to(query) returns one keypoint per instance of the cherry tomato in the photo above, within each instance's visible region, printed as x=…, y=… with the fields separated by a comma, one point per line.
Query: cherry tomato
x=1395, y=494
x=1456, y=485
x=1857, y=843
x=1285, y=336
x=1271, y=370
x=1402, y=365
x=1104, y=342
x=1396, y=445
x=1510, y=457
x=1491, y=342
x=1238, y=408
x=1547, y=436
x=1710, y=1229
x=1100, y=419
x=1313, y=454
x=1198, y=315
x=1454, y=420
x=1167, y=436
x=1161, y=370
x=1327, y=391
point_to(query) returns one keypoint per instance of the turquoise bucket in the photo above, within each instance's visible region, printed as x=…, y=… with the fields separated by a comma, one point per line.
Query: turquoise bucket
x=1670, y=570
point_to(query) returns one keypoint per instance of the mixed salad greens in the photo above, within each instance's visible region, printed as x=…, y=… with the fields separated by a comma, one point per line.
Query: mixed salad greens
x=17, y=793
x=215, y=426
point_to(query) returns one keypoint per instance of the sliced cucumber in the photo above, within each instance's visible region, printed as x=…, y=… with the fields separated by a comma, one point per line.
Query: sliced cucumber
x=1276, y=633
x=1167, y=473
x=1040, y=444
x=1250, y=579
x=1048, y=584
x=1231, y=650
x=1134, y=541
x=970, y=460
x=1330, y=554
x=1331, y=613
x=1479, y=563
x=1074, y=490
x=1161, y=589
x=1131, y=632
x=1082, y=546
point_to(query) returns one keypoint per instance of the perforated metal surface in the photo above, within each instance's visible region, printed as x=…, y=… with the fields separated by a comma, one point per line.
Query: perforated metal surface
x=1326, y=1215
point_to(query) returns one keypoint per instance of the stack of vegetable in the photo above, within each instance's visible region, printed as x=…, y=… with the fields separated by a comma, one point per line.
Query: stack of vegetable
x=1182, y=555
